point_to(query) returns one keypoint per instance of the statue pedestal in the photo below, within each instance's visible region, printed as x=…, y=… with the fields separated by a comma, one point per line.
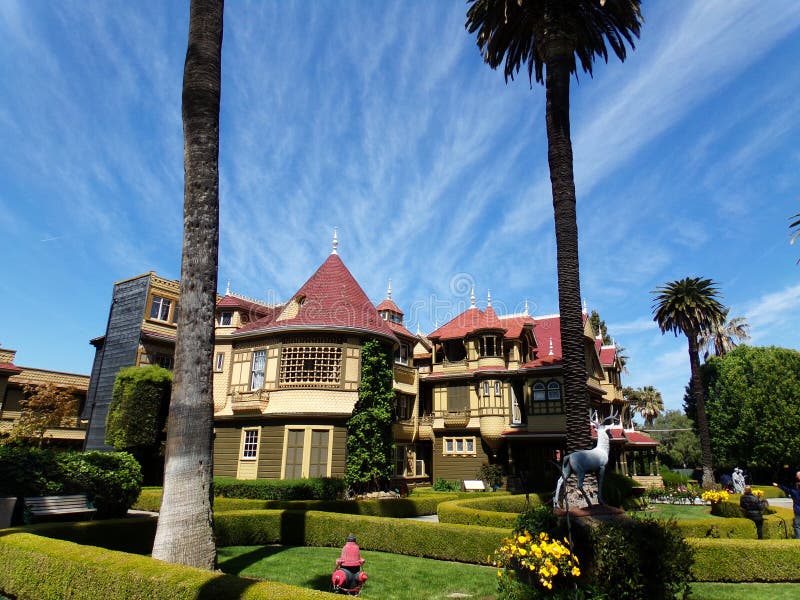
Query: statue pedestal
x=571, y=496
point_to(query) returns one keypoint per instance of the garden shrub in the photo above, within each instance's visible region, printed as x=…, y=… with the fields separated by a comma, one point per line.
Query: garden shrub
x=620, y=558
x=67, y=570
x=736, y=560
x=321, y=488
x=134, y=534
x=442, y=485
x=442, y=541
x=673, y=479
x=491, y=475
x=111, y=480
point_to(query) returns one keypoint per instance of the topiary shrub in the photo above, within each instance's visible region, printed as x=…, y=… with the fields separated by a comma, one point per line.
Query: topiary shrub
x=29, y=472
x=442, y=485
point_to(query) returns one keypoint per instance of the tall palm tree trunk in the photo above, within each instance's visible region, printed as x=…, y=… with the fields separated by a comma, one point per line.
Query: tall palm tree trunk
x=702, y=421
x=185, y=525
x=559, y=151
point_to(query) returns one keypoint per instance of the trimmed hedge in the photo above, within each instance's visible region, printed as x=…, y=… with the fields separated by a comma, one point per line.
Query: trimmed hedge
x=67, y=570
x=318, y=488
x=134, y=535
x=745, y=560
x=403, y=508
x=461, y=543
x=489, y=511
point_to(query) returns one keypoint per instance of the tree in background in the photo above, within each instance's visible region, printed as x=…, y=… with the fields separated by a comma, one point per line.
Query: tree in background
x=678, y=445
x=691, y=306
x=369, y=430
x=723, y=336
x=645, y=401
x=137, y=416
x=44, y=406
x=753, y=405
x=556, y=37
x=185, y=532
x=599, y=326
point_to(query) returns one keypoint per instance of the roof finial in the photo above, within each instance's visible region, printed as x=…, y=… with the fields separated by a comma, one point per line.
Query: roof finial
x=550, y=353
x=419, y=332
x=585, y=309
x=389, y=290
x=472, y=297
x=228, y=288
x=335, y=242
x=526, y=307
x=488, y=298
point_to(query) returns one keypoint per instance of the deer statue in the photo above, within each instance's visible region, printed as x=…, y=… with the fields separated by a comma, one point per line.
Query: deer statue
x=587, y=461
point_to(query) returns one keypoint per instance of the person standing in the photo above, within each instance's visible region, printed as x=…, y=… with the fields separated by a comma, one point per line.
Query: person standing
x=794, y=494
x=753, y=508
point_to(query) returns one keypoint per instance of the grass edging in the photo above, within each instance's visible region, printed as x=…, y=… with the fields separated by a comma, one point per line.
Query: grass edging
x=39, y=568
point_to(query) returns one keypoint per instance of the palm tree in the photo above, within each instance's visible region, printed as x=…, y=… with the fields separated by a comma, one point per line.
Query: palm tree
x=647, y=402
x=724, y=336
x=185, y=526
x=558, y=35
x=691, y=306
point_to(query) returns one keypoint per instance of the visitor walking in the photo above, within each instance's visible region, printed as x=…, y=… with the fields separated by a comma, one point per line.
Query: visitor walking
x=753, y=508
x=794, y=494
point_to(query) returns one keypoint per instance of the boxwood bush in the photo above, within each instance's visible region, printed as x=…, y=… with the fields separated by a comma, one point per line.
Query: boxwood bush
x=736, y=560
x=488, y=511
x=68, y=570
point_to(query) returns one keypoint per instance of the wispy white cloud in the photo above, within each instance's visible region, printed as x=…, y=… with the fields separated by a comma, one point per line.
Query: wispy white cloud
x=771, y=310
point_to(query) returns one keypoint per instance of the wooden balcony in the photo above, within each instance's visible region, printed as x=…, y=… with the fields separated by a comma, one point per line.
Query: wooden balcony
x=456, y=419
x=250, y=402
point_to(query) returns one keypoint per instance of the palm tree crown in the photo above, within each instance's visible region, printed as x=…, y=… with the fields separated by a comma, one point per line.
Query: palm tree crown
x=647, y=402
x=689, y=306
x=518, y=31
x=723, y=336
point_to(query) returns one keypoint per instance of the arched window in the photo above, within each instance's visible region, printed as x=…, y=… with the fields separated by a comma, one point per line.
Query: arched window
x=553, y=391
x=539, y=393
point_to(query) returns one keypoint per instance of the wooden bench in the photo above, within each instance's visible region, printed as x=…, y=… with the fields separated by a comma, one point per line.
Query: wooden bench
x=52, y=507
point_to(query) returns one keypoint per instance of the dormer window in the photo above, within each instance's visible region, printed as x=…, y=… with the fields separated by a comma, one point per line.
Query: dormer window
x=489, y=345
x=401, y=354
x=226, y=318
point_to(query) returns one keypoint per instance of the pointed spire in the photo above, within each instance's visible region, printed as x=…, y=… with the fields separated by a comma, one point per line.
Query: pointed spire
x=419, y=333
x=488, y=298
x=472, y=298
x=228, y=288
x=550, y=352
x=526, y=307
x=335, y=242
x=389, y=290
x=585, y=309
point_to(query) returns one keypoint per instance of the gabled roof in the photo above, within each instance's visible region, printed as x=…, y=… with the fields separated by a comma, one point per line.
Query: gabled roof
x=515, y=325
x=470, y=321
x=608, y=355
x=256, y=310
x=400, y=330
x=330, y=299
x=9, y=368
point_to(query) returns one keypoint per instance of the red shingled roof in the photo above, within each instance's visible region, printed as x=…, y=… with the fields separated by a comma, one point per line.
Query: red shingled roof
x=515, y=326
x=608, y=354
x=388, y=304
x=253, y=309
x=471, y=320
x=10, y=368
x=400, y=330
x=640, y=439
x=331, y=298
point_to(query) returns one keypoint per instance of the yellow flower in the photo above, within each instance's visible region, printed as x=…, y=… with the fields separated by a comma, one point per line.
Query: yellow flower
x=576, y=572
x=499, y=573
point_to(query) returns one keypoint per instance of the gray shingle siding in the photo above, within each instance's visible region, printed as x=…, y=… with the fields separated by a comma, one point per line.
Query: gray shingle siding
x=117, y=350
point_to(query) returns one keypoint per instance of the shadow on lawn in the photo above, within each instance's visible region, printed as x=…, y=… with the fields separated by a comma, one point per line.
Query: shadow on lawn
x=240, y=563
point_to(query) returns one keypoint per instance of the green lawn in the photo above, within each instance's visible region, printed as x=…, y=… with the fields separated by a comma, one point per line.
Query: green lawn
x=391, y=576
x=682, y=512
x=745, y=591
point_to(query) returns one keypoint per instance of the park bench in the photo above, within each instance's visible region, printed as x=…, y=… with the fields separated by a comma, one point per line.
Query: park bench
x=53, y=507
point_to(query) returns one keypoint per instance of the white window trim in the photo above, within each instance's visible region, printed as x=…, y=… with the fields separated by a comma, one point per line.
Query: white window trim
x=242, y=457
x=463, y=439
x=262, y=371
x=306, y=448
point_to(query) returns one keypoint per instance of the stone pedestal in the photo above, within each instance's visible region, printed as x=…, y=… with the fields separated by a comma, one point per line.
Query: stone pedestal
x=573, y=499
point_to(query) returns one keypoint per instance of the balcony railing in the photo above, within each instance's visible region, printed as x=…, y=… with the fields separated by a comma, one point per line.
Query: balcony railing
x=250, y=402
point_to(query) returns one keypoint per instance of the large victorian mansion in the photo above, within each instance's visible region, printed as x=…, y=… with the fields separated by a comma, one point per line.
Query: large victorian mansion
x=481, y=389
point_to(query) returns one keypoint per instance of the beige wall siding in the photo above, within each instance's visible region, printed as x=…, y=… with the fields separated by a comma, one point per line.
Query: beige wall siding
x=457, y=467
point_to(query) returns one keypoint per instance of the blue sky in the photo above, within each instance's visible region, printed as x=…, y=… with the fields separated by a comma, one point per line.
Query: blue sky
x=381, y=119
